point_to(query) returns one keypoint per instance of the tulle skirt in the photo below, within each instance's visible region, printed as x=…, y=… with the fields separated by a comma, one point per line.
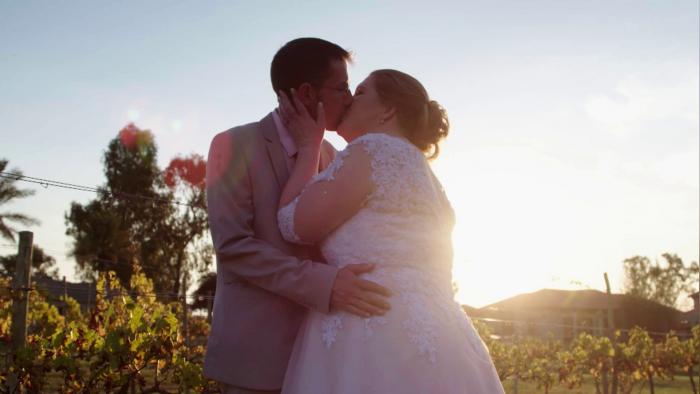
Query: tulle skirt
x=419, y=346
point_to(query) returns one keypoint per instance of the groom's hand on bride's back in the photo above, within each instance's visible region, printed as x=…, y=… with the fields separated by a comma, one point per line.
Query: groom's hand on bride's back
x=358, y=296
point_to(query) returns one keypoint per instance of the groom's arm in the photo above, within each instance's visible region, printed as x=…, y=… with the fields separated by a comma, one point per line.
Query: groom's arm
x=239, y=252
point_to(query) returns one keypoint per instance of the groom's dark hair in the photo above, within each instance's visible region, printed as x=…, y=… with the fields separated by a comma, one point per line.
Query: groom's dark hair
x=304, y=60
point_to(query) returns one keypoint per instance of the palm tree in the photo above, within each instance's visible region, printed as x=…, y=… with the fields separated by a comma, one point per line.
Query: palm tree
x=9, y=192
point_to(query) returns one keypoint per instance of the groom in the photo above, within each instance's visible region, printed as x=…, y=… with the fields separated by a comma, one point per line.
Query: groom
x=264, y=285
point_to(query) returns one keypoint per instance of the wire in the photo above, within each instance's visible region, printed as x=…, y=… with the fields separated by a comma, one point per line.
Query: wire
x=110, y=293
x=99, y=190
x=196, y=297
x=94, y=259
x=580, y=327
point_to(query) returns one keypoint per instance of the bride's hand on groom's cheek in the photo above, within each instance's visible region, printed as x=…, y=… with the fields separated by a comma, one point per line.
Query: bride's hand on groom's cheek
x=304, y=129
x=358, y=296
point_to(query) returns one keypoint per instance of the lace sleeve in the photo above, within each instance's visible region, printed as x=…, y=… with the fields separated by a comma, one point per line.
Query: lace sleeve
x=398, y=172
x=285, y=221
x=285, y=216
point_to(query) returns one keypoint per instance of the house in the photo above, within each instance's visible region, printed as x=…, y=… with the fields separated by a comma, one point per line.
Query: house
x=82, y=292
x=566, y=313
x=692, y=317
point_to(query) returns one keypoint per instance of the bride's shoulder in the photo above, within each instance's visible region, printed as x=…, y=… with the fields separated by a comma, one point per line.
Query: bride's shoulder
x=376, y=142
x=377, y=136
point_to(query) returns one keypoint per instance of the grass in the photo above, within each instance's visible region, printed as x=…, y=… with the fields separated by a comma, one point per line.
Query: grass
x=54, y=382
x=679, y=385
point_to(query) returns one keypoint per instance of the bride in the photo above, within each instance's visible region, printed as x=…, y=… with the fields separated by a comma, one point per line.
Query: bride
x=380, y=202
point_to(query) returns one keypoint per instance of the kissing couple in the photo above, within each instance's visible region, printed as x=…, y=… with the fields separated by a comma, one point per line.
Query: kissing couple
x=334, y=269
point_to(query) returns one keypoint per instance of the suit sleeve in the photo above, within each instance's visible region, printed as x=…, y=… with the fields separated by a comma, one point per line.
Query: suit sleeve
x=238, y=251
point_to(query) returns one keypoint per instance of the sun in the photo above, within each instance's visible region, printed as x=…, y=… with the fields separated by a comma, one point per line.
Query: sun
x=499, y=249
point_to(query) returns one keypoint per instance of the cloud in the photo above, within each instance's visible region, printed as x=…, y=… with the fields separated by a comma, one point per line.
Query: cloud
x=640, y=101
x=681, y=168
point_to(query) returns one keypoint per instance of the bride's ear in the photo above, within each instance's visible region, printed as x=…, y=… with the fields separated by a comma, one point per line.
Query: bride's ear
x=387, y=114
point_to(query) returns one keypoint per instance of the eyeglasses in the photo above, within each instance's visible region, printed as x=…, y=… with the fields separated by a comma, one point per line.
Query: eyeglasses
x=343, y=90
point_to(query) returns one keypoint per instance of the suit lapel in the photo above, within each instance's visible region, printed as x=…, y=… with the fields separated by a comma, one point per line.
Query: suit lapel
x=275, y=150
x=277, y=156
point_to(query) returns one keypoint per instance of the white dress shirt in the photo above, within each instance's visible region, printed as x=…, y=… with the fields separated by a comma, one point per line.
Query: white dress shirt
x=290, y=147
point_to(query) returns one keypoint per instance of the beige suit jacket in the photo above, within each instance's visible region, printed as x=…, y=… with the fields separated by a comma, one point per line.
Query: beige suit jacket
x=264, y=285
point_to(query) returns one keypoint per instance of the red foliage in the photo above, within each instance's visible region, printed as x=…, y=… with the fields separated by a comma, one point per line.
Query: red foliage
x=128, y=135
x=191, y=170
x=133, y=138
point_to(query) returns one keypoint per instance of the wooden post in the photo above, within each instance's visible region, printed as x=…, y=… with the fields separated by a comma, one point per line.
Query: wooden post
x=611, y=335
x=63, y=305
x=20, y=303
x=210, y=306
x=89, y=296
x=185, y=327
x=185, y=319
x=611, y=322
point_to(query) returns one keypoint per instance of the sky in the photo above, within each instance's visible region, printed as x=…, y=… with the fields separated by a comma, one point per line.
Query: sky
x=574, y=132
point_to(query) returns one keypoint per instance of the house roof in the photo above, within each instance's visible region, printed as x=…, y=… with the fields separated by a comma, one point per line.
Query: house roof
x=574, y=299
x=559, y=299
x=78, y=291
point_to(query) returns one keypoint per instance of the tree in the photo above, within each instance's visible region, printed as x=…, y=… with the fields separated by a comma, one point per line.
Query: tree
x=120, y=226
x=42, y=264
x=9, y=192
x=188, y=224
x=136, y=220
x=656, y=282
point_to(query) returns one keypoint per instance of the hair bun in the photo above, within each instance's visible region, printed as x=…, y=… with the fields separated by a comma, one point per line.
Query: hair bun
x=437, y=126
x=424, y=121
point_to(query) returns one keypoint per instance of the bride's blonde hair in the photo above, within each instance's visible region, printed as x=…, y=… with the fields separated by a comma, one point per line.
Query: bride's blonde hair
x=424, y=121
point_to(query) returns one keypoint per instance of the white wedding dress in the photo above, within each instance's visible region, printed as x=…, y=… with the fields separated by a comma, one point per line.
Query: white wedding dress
x=425, y=343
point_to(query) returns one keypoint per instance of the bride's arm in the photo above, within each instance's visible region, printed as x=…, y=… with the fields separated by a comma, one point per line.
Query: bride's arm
x=305, y=168
x=323, y=205
x=327, y=204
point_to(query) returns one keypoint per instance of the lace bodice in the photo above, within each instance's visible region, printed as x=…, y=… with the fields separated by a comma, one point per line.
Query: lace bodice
x=404, y=228
x=406, y=220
